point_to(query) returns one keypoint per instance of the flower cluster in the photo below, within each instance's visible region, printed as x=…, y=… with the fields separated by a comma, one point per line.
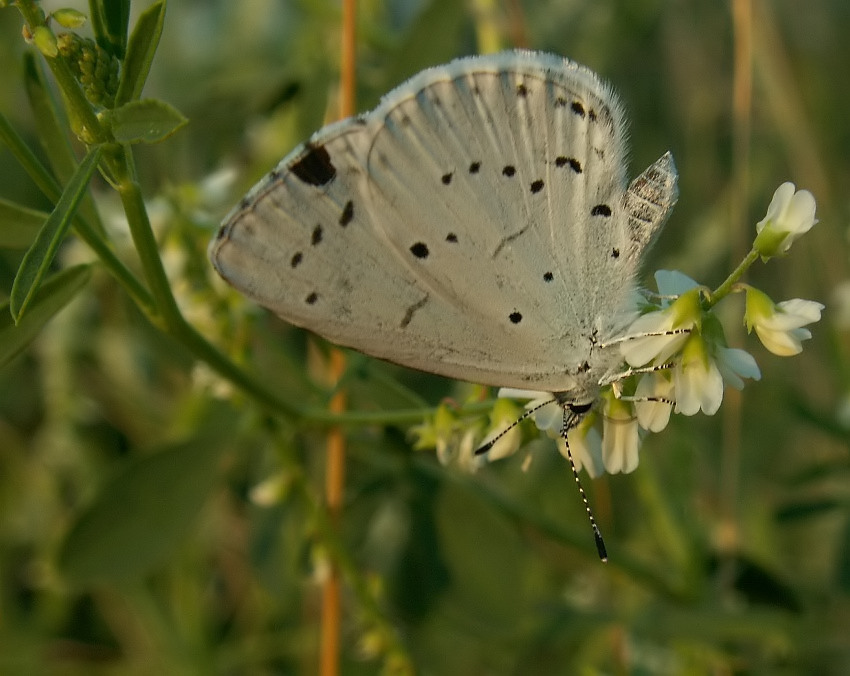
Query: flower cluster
x=675, y=359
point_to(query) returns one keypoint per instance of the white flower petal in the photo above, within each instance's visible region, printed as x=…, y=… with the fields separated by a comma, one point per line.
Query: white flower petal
x=620, y=438
x=508, y=443
x=781, y=343
x=799, y=216
x=640, y=349
x=712, y=392
x=734, y=365
x=585, y=448
x=548, y=417
x=697, y=387
x=781, y=199
x=654, y=415
x=673, y=282
x=805, y=311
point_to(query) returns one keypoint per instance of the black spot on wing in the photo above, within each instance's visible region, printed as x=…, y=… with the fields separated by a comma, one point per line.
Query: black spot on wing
x=578, y=108
x=314, y=166
x=347, y=213
x=296, y=259
x=446, y=178
x=420, y=250
x=615, y=253
x=311, y=298
x=474, y=167
x=515, y=317
x=521, y=90
x=509, y=170
x=571, y=162
x=537, y=186
x=316, y=235
x=451, y=237
x=548, y=276
x=601, y=210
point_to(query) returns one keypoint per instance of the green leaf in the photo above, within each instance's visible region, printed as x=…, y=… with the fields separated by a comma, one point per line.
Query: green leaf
x=140, y=52
x=116, y=19
x=40, y=255
x=149, y=121
x=51, y=297
x=142, y=515
x=109, y=19
x=18, y=225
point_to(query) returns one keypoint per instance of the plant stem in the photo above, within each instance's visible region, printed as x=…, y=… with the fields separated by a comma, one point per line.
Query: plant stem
x=727, y=286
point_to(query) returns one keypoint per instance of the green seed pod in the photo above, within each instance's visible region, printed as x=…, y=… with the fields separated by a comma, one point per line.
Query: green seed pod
x=94, y=68
x=69, y=18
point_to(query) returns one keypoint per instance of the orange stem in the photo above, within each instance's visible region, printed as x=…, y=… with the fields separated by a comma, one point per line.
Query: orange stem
x=335, y=466
x=334, y=491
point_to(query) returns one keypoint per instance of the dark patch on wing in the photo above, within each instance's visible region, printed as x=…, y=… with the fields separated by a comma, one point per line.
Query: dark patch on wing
x=314, y=166
x=408, y=315
x=420, y=250
x=347, y=213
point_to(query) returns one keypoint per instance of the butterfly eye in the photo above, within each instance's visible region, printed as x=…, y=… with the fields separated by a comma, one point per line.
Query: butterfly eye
x=580, y=409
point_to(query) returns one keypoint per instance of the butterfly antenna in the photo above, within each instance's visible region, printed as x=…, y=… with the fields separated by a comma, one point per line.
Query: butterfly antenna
x=597, y=534
x=483, y=448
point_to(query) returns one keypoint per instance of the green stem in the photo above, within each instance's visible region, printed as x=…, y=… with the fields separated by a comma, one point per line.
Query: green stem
x=727, y=286
x=170, y=318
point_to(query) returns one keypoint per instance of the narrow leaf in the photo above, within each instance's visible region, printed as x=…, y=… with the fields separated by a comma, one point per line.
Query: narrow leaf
x=140, y=52
x=116, y=18
x=142, y=515
x=51, y=297
x=149, y=120
x=18, y=225
x=37, y=260
x=98, y=24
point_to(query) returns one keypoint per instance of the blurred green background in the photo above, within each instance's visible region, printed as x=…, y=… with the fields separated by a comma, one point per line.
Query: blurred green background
x=133, y=536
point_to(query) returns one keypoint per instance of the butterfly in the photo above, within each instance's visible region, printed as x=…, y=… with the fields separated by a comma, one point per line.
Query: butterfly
x=476, y=224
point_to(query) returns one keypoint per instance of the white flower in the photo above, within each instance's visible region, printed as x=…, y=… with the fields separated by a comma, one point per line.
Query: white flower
x=620, y=439
x=780, y=326
x=653, y=401
x=791, y=213
x=682, y=313
x=586, y=445
x=503, y=419
x=697, y=380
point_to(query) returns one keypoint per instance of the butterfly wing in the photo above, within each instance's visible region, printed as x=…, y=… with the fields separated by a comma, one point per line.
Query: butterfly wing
x=464, y=227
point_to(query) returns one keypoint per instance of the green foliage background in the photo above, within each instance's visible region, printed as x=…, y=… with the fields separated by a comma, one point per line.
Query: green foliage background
x=131, y=539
